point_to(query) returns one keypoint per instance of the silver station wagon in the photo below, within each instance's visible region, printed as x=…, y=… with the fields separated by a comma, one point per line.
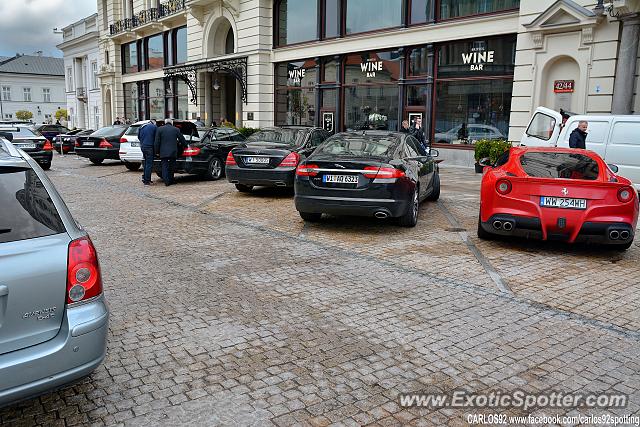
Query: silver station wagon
x=53, y=315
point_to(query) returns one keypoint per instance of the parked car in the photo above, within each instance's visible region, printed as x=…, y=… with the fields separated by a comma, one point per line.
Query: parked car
x=373, y=173
x=67, y=142
x=34, y=144
x=269, y=157
x=53, y=312
x=51, y=131
x=557, y=194
x=475, y=132
x=613, y=137
x=206, y=156
x=130, y=151
x=101, y=145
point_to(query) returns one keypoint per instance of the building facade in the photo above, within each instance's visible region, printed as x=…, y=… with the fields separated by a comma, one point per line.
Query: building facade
x=33, y=83
x=465, y=67
x=82, y=65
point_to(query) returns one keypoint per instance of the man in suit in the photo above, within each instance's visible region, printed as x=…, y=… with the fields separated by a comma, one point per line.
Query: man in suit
x=418, y=133
x=147, y=137
x=166, y=146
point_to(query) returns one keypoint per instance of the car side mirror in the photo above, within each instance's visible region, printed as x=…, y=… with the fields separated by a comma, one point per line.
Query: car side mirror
x=485, y=161
x=433, y=152
x=614, y=168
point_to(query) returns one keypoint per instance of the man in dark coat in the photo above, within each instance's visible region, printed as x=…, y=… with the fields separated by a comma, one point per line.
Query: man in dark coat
x=578, y=138
x=166, y=146
x=147, y=137
x=418, y=133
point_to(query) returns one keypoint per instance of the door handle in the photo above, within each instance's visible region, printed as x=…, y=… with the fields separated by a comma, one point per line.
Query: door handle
x=4, y=290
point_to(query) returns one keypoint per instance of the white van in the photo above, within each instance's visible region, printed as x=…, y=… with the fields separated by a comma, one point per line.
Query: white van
x=615, y=138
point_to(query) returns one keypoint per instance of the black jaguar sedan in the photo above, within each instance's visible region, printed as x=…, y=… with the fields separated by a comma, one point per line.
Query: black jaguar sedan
x=269, y=157
x=371, y=173
x=101, y=145
x=205, y=153
x=67, y=142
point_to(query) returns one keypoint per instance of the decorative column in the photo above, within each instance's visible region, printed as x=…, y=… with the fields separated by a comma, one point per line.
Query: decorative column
x=626, y=68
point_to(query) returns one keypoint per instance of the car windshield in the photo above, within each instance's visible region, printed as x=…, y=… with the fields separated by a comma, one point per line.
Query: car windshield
x=289, y=136
x=108, y=131
x=132, y=130
x=559, y=165
x=359, y=145
x=20, y=131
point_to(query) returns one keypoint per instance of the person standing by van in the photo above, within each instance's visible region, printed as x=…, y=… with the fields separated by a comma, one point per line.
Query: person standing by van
x=578, y=138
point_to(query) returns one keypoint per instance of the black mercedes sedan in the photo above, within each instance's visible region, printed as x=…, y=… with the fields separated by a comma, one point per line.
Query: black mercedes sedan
x=67, y=141
x=31, y=142
x=206, y=152
x=101, y=145
x=369, y=173
x=269, y=157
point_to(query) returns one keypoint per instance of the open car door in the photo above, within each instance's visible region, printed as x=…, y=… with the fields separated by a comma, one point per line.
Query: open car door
x=544, y=129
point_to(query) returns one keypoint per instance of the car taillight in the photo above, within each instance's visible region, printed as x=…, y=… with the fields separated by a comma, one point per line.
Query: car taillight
x=123, y=139
x=307, y=170
x=503, y=186
x=625, y=194
x=83, y=271
x=105, y=144
x=191, y=151
x=77, y=143
x=384, y=173
x=291, y=161
x=231, y=161
x=47, y=146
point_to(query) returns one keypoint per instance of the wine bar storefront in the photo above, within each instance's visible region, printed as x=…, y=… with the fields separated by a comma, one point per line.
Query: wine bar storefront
x=460, y=90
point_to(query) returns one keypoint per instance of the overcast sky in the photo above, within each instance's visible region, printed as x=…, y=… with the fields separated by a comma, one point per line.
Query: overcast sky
x=26, y=26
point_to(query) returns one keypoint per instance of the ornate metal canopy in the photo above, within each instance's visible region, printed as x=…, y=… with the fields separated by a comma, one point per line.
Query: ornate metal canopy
x=237, y=67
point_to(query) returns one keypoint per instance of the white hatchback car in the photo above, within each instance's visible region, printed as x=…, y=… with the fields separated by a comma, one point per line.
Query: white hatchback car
x=130, y=151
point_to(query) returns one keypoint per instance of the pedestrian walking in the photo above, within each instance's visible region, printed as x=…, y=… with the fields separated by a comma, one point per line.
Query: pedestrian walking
x=166, y=146
x=147, y=138
x=578, y=138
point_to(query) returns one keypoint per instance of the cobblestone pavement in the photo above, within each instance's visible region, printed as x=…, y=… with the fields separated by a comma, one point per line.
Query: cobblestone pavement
x=228, y=310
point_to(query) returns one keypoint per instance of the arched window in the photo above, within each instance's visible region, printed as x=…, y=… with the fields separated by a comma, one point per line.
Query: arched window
x=297, y=21
x=229, y=44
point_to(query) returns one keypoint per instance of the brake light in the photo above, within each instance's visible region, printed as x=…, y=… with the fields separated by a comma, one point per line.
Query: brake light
x=83, y=271
x=503, y=186
x=105, y=144
x=123, y=139
x=231, y=161
x=384, y=173
x=291, y=161
x=625, y=194
x=307, y=170
x=47, y=146
x=77, y=143
x=191, y=151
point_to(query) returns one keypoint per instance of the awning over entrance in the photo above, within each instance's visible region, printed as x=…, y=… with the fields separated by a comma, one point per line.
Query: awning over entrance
x=237, y=67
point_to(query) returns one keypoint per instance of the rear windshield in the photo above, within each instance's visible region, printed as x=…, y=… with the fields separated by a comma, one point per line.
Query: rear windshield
x=108, y=131
x=282, y=136
x=132, y=130
x=26, y=210
x=359, y=145
x=22, y=131
x=559, y=165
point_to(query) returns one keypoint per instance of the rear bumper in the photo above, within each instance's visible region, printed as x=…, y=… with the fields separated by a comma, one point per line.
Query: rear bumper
x=279, y=177
x=75, y=352
x=66, y=146
x=98, y=153
x=41, y=157
x=532, y=228
x=133, y=155
x=350, y=205
x=194, y=167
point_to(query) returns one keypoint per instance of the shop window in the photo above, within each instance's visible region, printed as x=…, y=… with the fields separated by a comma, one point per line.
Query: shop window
x=331, y=18
x=420, y=61
x=380, y=112
x=130, y=58
x=156, y=99
x=180, y=45
x=458, y=8
x=329, y=71
x=297, y=21
x=131, y=101
x=372, y=68
x=421, y=11
x=154, y=52
x=486, y=57
x=370, y=15
x=467, y=111
x=295, y=93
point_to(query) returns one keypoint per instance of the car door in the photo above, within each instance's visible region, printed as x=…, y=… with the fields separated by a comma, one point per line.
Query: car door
x=623, y=148
x=424, y=166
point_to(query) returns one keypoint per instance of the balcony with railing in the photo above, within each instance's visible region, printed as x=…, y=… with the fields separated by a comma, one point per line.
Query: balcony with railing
x=155, y=14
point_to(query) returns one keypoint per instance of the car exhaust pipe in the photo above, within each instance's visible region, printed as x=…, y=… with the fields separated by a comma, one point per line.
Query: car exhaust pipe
x=381, y=215
x=624, y=235
x=614, y=235
x=497, y=225
x=234, y=181
x=280, y=184
x=507, y=226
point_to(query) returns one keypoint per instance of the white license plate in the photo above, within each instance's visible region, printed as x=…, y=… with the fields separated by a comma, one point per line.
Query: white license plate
x=563, y=202
x=340, y=179
x=135, y=144
x=23, y=146
x=88, y=144
x=257, y=160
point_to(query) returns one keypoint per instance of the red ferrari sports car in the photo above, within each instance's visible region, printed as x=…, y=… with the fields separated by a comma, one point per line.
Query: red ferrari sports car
x=557, y=194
